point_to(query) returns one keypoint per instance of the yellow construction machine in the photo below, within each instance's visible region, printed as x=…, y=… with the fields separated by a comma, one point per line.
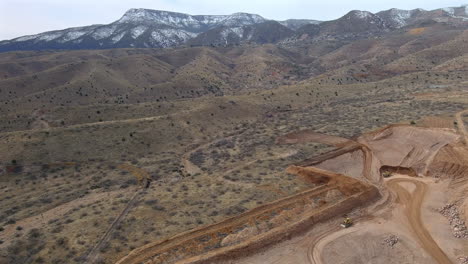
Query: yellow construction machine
x=347, y=222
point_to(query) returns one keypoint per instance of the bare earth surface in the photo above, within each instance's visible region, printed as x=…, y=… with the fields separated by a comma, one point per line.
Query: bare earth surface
x=409, y=212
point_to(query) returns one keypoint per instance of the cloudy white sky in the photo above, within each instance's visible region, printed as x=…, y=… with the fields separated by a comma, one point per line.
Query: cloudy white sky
x=23, y=17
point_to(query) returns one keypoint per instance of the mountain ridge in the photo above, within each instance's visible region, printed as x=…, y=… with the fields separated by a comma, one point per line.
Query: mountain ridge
x=147, y=28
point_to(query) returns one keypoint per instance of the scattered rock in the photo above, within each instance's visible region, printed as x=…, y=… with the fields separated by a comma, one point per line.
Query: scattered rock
x=391, y=240
x=459, y=229
x=240, y=236
x=463, y=260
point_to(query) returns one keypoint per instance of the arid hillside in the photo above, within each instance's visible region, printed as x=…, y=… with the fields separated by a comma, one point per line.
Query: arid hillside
x=105, y=151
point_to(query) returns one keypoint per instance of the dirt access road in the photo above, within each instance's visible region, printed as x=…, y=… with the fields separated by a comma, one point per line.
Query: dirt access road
x=93, y=255
x=409, y=196
x=412, y=203
x=461, y=125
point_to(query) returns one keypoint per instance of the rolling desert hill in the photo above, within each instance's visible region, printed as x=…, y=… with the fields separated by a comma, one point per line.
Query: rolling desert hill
x=122, y=154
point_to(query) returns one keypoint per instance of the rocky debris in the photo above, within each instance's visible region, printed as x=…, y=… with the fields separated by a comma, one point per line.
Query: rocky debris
x=459, y=229
x=463, y=260
x=391, y=240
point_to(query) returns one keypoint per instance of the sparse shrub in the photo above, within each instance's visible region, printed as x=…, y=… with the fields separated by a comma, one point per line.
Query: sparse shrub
x=151, y=202
x=61, y=241
x=386, y=174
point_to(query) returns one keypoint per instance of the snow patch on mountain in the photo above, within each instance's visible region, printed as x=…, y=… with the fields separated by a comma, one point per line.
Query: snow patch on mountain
x=25, y=38
x=169, y=37
x=242, y=19
x=181, y=21
x=400, y=17
x=118, y=37
x=449, y=10
x=238, y=31
x=103, y=32
x=72, y=35
x=134, y=15
x=49, y=37
x=363, y=14
x=136, y=32
x=207, y=20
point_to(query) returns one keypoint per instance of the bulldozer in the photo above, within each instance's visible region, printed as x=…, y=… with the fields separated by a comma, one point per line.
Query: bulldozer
x=347, y=222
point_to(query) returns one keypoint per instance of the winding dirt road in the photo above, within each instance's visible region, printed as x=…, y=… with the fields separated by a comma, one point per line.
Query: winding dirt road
x=412, y=203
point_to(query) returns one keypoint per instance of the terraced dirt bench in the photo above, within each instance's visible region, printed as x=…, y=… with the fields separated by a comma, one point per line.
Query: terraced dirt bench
x=261, y=226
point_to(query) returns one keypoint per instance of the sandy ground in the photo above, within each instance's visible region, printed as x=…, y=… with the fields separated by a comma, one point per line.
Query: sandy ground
x=424, y=235
x=461, y=125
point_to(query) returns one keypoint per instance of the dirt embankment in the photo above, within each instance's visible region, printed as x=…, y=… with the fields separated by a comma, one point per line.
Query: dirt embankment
x=461, y=125
x=263, y=225
x=367, y=165
x=402, y=147
x=397, y=149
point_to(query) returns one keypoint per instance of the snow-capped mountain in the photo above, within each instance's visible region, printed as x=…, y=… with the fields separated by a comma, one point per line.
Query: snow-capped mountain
x=145, y=28
x=187, y=22
x=141, y=28
x=397, y=18
x=355, y=21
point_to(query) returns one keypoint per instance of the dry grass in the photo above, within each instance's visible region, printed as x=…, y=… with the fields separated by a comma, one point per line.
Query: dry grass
x=417, y=31
x=267, y=91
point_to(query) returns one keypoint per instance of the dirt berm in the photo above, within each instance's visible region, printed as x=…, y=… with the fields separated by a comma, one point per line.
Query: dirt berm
x=205, y=244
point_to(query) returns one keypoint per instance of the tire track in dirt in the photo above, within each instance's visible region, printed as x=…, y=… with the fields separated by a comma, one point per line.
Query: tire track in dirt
x=140, y=174
x=313, y=254
x=412, y=203
x=188, y=165
x=94, y=253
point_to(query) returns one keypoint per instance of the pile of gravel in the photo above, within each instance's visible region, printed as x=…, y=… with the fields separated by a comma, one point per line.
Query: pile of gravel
x=463, y=260
x=391, y=240
x=459, y=229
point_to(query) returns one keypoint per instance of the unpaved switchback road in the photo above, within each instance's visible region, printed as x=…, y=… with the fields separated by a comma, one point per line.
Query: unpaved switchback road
x=412, y=203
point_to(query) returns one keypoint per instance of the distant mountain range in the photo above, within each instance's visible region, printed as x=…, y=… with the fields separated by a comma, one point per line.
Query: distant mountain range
x=144, y=28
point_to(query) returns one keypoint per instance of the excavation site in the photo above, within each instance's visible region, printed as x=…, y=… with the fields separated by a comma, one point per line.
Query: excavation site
x=233, y=132
x=386, y=180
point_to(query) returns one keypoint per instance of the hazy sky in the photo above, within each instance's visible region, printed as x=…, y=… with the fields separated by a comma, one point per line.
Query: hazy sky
x=23, y=17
